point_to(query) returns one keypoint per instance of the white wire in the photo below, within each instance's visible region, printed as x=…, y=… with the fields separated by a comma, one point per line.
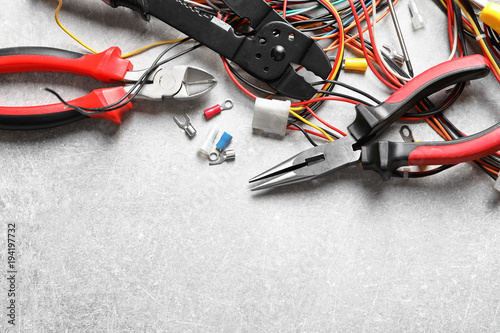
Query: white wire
x=455, y=40
x=302, y=10
x=198, y=4
x=374, y=42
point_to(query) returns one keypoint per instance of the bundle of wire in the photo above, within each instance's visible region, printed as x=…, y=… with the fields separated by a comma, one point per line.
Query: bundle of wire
x=463, y=22
x=339, y=25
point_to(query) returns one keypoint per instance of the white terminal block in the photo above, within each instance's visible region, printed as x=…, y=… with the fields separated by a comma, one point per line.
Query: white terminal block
x=271, y=116
x=208, y=143
x=417, y=18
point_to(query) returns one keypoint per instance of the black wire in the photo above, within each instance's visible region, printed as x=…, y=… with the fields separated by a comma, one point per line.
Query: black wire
x=138, y=85
x=394, y=66
x=447, y=102
x=401, y=174
x=451, y=129
x=305, y=133
x=348, y=86
x=493, y=38
x=248, y=83
x=134, y=90
x=336, y=94
x=460, y=26
x=217, y=9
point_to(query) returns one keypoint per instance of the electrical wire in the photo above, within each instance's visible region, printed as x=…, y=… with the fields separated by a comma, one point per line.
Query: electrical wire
x=308, y=137
x=127, y=55
x=311, y=124
x=134, y=90
x=350, y=87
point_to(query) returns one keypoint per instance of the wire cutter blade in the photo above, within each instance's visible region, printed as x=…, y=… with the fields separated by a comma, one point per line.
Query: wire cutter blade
x=156, y=83
x=179, y=82
x=267, y=53
x=309, y=164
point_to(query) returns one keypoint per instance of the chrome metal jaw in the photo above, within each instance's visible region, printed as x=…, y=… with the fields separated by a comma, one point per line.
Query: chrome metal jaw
x=179, y=82
x=310, y=164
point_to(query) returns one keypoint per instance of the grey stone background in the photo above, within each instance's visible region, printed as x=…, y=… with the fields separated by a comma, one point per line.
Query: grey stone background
x=124, y=229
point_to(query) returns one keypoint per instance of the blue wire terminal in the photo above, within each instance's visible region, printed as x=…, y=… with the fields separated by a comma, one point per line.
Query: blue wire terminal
x=224, y=141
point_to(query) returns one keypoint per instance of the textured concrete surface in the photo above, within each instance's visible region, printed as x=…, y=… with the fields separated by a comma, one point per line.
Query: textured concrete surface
x=124, y=229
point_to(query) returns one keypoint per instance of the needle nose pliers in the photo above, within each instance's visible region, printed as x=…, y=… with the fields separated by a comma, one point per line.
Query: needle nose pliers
x=385, y=157
x=181, y=82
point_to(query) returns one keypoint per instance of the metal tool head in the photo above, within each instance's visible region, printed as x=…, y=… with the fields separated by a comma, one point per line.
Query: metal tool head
x=267, y=53
x=310, y=164
x=274, y=46
x=270, y=53
x=180, y=82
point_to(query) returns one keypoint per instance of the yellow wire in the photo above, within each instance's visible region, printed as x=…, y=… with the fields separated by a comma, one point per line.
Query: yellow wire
x=481, y=40
x=130, y=54
x=311, y=124
x=340, y=52
x=150, y=46
x=69, y=33
x=466, y=27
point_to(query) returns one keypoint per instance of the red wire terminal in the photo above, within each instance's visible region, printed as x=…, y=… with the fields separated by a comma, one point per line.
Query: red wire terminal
x=214, y=110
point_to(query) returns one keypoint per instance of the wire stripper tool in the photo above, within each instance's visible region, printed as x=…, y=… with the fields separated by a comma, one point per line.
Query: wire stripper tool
x=267, y=54
x=385, y=157
x=180, y=82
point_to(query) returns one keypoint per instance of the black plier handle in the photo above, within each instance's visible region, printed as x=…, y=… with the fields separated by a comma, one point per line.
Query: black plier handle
x=385, y=157
x=267, y=55
x=372, y=121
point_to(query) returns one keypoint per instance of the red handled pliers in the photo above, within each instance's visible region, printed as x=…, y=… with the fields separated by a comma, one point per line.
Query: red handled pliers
x=180, y=82
x=385, y=157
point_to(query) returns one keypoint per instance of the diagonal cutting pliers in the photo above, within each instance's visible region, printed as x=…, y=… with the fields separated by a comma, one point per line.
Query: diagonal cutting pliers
x=385, y=157
x=267, y=54
x=180, y=82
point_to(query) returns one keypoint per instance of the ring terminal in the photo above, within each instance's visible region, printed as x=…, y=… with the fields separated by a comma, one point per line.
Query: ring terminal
x=215, y=110
x=226, y=155
x=271, y=116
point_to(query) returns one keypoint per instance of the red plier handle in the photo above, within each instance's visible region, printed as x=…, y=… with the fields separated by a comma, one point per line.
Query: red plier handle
x=107, y=66
x=385, y=157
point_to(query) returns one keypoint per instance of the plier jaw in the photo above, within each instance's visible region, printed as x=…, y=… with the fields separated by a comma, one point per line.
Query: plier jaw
x=110, y=103
x=371, y=121
x=267, y=54
x=309, y=164
x=179, y=82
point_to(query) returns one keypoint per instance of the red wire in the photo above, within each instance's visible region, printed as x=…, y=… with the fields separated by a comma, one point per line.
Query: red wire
x=326, y=98
x=339, y=57
x=488, y=40
x=324, y=122
x=396, y=84
x=226, y=66
x=451, y=18
x=308, y=131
